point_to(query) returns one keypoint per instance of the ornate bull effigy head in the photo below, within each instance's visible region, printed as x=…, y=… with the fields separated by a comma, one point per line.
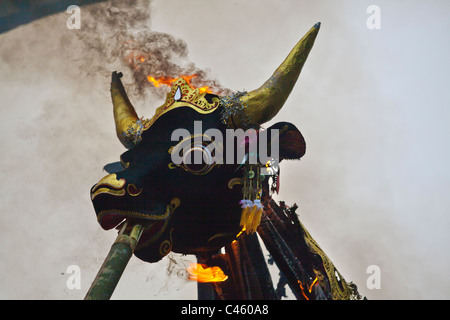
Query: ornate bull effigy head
x=196, y=172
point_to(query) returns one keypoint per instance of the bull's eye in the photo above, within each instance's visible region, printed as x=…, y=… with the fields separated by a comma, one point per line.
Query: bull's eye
x=197, y=159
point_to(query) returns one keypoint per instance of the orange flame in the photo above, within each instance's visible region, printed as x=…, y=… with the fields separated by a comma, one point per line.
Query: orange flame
x=168, y=81
x=309, y=289
x=198, y=273
x=134, y=59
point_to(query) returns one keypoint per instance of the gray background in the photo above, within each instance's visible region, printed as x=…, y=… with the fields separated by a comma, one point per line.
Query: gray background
x=373, y=106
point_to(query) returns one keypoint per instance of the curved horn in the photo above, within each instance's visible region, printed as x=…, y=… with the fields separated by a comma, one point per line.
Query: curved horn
x=124, y=114
x=264, y=103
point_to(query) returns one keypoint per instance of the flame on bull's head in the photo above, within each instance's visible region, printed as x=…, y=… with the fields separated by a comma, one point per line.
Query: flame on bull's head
x=261, y=105
x=168, y=81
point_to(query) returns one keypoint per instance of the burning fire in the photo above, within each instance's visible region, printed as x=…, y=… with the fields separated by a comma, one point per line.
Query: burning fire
x=168, y=81
x=134, y=59
x=198, y=273
x=139, y=61
x=309, y=289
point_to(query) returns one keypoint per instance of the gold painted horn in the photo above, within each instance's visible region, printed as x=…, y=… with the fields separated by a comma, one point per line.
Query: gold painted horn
x=264, y=103
x=124, y=114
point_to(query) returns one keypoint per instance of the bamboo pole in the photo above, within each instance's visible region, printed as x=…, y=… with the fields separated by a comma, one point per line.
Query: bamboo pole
x=115, y=262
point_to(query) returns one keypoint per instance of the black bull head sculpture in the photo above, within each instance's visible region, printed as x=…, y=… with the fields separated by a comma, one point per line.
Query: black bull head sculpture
x=193, y=207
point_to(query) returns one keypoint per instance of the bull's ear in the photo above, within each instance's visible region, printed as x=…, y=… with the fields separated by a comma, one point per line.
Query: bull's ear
x=291, y=142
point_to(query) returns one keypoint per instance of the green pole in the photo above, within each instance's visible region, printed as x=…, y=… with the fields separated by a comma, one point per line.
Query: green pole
x=110, y=272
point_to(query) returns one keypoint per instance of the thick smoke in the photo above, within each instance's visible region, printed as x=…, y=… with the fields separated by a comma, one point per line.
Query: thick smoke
x=117, y=33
